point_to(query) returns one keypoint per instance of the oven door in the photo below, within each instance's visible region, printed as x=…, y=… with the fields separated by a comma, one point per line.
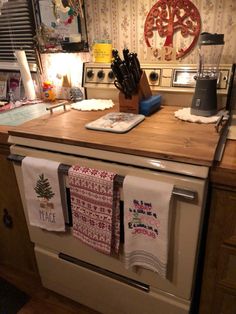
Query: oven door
x=59, y=255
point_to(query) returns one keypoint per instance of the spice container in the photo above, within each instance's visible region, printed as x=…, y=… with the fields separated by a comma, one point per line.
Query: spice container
x=102, y=51
x=48, y=91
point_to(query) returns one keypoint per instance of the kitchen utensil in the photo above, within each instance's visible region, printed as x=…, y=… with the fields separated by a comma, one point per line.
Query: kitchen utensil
x=127, y=72
x=128, y=80
x=204, y=102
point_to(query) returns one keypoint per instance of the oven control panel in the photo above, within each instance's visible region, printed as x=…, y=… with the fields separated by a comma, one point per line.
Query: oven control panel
x=98, y=75
x=170, y=77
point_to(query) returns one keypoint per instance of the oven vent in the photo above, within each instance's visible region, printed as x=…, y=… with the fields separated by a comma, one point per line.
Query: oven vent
x=134, y=283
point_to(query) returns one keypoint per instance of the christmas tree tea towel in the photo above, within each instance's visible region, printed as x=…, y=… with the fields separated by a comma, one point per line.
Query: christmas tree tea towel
x=42, y=193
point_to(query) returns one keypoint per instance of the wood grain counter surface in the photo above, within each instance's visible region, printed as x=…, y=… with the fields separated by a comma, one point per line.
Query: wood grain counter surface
x=224, y=172
x=158, y=136
x=4, y=135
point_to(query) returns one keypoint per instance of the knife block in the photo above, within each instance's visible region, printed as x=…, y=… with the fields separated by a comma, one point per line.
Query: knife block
x=144, y=86
x=131, y=105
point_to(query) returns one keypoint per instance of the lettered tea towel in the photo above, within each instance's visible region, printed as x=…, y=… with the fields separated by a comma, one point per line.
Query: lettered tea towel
x=146, y=223
x=42, y=193
x=95, y=208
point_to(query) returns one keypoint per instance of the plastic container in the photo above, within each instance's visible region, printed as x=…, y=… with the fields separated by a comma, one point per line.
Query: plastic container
x=150, y=105
x=48, y=91
x=102, y=51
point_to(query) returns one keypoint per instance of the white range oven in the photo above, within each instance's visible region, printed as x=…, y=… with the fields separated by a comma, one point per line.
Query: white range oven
x=73, y=269
x=101, y=282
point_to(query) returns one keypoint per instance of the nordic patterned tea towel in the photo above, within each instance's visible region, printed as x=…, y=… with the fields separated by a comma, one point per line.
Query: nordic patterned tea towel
x=146, y=221
x=42, y=193
x=95, y=208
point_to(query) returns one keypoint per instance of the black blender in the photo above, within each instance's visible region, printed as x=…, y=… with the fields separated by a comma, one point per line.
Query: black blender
x=204, y=101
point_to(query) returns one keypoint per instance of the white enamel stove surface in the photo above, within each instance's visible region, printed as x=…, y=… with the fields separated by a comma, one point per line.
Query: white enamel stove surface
x=102, y=291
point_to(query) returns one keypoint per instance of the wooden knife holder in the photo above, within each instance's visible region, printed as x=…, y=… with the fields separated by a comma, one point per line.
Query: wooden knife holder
x=131, y=105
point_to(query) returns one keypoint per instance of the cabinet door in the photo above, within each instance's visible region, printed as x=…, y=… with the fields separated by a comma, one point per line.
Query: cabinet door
x=218, y=286
x=224, y=302
x=226, y=267
x=16, y=249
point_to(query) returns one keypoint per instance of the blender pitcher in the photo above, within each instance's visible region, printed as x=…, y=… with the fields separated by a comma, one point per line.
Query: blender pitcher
x=204, y=101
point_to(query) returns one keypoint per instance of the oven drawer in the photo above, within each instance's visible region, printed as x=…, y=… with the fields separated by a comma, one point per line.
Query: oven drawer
x=101, y=292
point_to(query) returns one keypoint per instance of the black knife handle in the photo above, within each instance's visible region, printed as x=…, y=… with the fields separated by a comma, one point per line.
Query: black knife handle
x=134, y=70
x=123, y=68
x=137, y=63
x=126, y=55
x=116, y=70
x=115, y=55
x=128, y=80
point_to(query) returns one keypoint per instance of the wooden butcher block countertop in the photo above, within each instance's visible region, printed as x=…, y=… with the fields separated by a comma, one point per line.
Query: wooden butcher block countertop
x=224, y=172
x=158, y=136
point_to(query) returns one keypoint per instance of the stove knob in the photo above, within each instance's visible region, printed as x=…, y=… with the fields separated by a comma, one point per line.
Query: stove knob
x=111, y=75
x=101, y=74
x=153, y=76
x=90, y=74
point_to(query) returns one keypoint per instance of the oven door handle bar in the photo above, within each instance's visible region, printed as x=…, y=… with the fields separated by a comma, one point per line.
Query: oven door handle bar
x=134, y=283
x=63, y=169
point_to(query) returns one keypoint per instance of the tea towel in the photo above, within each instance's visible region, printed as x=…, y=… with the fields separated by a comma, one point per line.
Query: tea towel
x=42, y=193
x=95, y=208
x=146, y=223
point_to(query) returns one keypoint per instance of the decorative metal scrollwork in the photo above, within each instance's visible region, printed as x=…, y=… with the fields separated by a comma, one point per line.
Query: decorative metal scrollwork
x=167, y=17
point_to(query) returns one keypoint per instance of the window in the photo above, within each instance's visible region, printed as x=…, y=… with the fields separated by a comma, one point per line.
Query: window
x=17, y=30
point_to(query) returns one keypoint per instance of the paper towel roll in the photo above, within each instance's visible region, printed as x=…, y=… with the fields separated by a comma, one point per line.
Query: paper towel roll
x=25, y=74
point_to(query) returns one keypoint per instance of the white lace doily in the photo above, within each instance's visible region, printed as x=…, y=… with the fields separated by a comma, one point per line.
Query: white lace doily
x=93, y=104
x=184, y=114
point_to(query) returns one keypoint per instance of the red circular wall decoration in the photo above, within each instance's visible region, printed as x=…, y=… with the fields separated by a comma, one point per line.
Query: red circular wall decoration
x=168, y=17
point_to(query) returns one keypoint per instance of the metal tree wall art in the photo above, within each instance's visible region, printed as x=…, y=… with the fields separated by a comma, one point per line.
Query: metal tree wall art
x=168, y=17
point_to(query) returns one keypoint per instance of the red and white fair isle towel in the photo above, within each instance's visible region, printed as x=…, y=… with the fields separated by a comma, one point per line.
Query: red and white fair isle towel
x=95, y=208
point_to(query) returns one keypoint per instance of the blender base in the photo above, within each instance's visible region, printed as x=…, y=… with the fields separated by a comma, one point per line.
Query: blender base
x=203, y=113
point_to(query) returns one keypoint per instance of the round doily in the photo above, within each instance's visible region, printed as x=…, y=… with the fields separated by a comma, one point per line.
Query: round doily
x=93, y=104
x=185, y=115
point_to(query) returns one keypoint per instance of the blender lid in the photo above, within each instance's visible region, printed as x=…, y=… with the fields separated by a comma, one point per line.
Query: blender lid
x=211, y=39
